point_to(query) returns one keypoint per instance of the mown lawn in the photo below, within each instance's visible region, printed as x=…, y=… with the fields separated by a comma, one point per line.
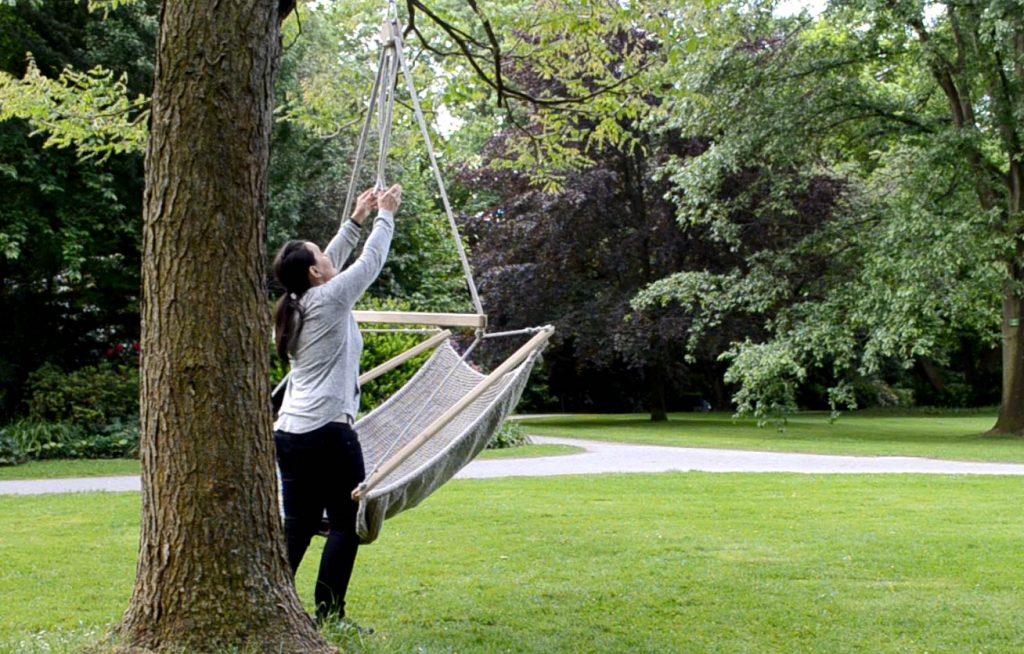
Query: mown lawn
x=70, y=468
x=638, y=563
x=958, y=436
x=531, y=451
x=118, y=467
x=941, y=436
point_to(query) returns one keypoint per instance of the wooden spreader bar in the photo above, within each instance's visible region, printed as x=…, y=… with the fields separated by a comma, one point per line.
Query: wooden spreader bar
x=475, y=320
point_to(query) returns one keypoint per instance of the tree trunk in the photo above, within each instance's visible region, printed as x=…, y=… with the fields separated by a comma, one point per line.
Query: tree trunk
x=721, y=398
x=1003, y=89
x=212, y=573
x=656, y=393
x=932, y=374
x=1011, y=409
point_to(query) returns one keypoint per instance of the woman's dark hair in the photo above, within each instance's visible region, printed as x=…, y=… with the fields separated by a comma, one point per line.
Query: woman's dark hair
x=291, y=269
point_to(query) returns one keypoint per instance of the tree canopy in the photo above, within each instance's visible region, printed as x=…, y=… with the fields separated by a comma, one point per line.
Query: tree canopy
x=843, y=182
x=872, y=99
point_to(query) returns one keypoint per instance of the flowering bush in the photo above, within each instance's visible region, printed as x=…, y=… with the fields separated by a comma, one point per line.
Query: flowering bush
x=123, y=352
x=90, y=398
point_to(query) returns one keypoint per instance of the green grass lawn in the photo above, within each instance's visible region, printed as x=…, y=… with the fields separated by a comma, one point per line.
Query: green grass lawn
x=117, y=467
x=530, y=451
x=637, y=563
x=958, y=436
x=70, y=468
x=950, y=436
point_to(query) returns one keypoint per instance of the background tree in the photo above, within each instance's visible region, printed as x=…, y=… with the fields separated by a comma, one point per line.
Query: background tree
x=574, y=258
x=572, y=240
x=913, y=256
x=68, y=228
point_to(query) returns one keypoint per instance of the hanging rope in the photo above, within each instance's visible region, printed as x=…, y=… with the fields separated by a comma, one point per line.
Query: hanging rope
x=387, y=113
x=361, y=147
x=391, y=62
x=437, y=172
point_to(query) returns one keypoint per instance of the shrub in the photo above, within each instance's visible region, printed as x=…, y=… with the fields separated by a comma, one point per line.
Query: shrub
x=10, y=453
x=537, y=396
x=957, y=394
x=35, y=438
x=378, y=347
x=119, y=439
x=90, y=397
x=894, y=396
x=875, y=392
x=510, y=434
x=278, y=370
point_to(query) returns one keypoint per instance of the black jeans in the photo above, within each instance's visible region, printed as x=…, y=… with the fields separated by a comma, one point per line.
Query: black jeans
x=319, y=470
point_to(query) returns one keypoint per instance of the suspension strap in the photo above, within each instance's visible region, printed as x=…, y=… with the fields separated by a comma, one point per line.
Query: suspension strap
x=387, y=111
x=392, y=61
x=353, y=180
x=437, y=171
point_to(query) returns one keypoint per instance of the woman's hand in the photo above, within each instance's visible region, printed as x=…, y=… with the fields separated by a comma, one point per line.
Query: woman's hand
x=390, y=199
x=365, y=204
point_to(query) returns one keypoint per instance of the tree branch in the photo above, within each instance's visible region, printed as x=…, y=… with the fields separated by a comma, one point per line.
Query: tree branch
x=467, y=43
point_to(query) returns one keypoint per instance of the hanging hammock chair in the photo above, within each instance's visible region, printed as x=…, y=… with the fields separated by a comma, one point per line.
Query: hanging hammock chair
x=445, y=415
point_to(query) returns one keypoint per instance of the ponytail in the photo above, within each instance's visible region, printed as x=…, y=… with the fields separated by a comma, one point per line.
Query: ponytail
x=288, y=319
x=291, y=269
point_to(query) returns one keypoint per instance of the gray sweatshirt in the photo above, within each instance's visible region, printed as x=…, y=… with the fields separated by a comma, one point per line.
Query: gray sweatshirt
x=323, y=386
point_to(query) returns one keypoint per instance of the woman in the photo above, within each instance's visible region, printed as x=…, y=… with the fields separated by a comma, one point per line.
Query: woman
x=318, y=452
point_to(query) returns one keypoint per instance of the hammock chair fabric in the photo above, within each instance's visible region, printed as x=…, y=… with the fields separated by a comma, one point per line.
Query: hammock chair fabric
x=447, y=378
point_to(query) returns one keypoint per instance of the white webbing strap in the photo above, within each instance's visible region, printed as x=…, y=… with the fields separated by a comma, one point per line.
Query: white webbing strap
x=392, y=61
x=437, y=172
x=353, y=181
x=386, y=107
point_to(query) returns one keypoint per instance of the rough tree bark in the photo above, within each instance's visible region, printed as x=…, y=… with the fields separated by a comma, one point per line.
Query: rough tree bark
x=212, y=573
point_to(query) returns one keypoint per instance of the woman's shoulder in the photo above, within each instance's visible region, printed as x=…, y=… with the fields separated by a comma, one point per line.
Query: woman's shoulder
x=324, y=296
x=313, y=297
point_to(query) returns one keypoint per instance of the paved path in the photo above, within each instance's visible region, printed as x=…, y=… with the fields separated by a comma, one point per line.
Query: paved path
x=601, y=457
x=618, y=457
